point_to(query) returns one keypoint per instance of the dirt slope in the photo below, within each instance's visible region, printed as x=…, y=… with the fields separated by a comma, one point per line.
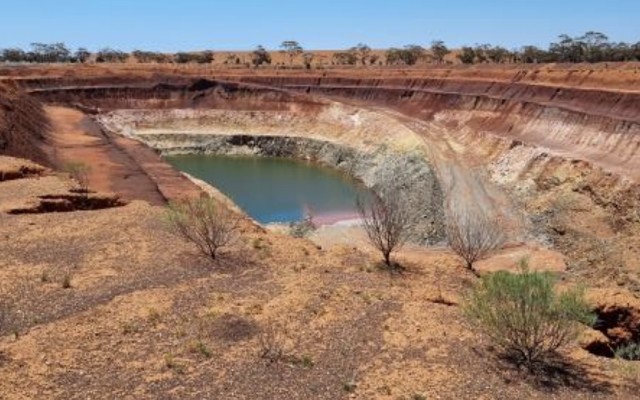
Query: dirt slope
x=117, y=165
x=23, y=124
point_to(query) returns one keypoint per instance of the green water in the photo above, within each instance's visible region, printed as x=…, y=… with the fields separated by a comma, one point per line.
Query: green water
x=277, y=189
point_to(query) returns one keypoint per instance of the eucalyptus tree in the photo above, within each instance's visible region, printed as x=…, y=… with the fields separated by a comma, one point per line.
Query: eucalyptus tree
x=292, y=48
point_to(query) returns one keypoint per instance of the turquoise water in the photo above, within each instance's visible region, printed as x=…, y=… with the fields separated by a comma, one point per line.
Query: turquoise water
x=277, y=189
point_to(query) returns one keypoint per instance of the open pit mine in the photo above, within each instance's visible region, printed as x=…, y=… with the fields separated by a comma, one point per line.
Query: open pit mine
x=101, y=299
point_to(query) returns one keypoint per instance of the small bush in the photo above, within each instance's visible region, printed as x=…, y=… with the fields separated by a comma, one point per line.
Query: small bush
x=205, y=223
x=79, y=172
x=131, y=327
x=171, y=363
x=66, y=281
x=260, y=244
x=8, y=316
x=473, y=235
x=201, y=348
x=19, y=306
x=302, y=229
x=629, y=352
x=273, y=343
x=350, y=385
x=154, y=317
x=387, y=220
x=524, y=316
x=307, y=361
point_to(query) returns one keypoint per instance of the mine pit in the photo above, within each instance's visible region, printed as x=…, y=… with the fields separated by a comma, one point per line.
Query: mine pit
x=487, y=140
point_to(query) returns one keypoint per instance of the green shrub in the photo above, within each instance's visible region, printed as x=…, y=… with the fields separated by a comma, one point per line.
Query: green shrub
x=629, y=352
x=201, y=348
x=524, y=316
x=307, y=361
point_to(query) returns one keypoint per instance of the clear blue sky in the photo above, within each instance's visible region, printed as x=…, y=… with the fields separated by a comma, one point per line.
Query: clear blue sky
x=322, y=24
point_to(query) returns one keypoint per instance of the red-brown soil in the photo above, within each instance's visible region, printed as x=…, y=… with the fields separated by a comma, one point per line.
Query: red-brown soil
x=117, y=165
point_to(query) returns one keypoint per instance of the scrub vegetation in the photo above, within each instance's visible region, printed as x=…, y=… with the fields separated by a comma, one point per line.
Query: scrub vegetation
x=524, y=315
x=206, y=223
x=473, y=235
x=111, y=302
x=387, y=219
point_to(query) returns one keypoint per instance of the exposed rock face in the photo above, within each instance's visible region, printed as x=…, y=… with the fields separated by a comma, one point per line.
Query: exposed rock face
x=599, y=126
x=23, y=124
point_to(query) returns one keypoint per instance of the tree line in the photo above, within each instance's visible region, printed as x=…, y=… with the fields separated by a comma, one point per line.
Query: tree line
x=591, y=47
x=60, y=53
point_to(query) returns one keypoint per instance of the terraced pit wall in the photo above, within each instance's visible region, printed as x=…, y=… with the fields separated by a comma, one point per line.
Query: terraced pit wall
x=520, y=131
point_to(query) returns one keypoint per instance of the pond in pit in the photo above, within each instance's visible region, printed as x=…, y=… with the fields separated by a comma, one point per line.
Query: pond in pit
x=277, y=189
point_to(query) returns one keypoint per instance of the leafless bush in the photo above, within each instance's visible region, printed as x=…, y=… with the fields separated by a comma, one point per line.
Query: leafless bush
x=472, y=234
x=273, y=343
x=387, y=220
x=7, y=314
x=206, y=223
x=79, y=172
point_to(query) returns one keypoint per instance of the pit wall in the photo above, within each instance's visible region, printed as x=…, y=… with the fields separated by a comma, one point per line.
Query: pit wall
x=23, y=124
x=617, y=104
x=353, y=141
x=569, y=157
x=595, y=125
x=524, y=133
x=599, y=126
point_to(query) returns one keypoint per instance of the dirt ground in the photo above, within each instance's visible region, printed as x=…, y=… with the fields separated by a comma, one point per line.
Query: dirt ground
x=146, y=318
x=109, y=303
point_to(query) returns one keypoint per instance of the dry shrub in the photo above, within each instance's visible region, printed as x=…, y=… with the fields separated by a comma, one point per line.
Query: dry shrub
x=629, y=352
x=19, y=303
x=387, y=220
x=206, y=223
x=79, y=172
x=473, y=235
x=274, y=343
